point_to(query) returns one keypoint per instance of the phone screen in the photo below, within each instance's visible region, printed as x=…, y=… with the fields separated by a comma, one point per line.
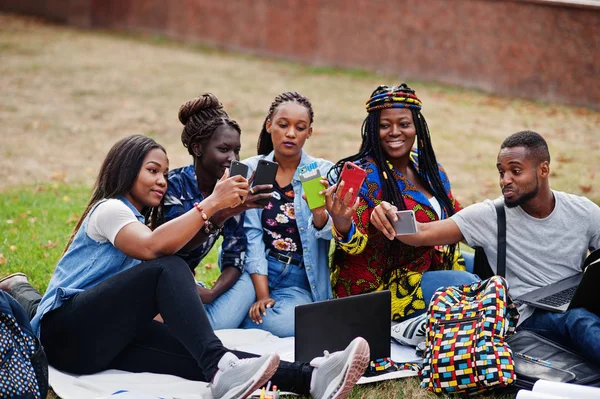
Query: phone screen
x=406, y=223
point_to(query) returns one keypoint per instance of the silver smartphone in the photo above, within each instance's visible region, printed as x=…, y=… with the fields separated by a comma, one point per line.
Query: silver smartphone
x=406, y=223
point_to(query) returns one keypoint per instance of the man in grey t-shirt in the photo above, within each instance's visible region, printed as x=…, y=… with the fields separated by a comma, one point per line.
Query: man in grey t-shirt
x=548, y=235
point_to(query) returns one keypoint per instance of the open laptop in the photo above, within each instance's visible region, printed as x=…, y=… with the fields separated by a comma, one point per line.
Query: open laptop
x=331, y=325
x=579, y=291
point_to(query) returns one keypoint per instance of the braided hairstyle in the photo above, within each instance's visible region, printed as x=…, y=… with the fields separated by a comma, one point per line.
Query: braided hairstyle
x=200, y=118
x=401, y=96
x=265, y=142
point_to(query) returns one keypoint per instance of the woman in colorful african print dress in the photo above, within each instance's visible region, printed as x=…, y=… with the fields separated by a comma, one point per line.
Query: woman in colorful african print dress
x=288, y=244
x=398, y=175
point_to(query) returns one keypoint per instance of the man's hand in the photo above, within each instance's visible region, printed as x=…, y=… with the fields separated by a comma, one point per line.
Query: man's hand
x=259, y=308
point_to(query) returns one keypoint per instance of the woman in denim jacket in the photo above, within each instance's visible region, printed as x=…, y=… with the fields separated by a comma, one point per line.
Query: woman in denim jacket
x=288, y=243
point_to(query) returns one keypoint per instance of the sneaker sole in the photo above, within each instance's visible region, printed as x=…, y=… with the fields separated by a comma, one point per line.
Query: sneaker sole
x=267, y=370
x=359, y=360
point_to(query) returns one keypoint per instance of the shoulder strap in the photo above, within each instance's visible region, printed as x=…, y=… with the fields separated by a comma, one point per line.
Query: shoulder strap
x=501, y=260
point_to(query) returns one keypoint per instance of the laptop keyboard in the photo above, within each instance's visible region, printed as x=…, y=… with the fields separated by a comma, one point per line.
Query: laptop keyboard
x=559, y=298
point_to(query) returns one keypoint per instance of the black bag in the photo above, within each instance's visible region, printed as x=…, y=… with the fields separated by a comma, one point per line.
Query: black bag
x=23, y=363
x=535, y=357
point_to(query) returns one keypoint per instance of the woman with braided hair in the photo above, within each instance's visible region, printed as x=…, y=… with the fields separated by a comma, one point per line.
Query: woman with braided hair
x=367, y=256
x=288, y=243
x=213, y=140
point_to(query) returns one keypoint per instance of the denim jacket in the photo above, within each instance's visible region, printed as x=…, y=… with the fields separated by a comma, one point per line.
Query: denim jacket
x=86, y=263
x=315, y=242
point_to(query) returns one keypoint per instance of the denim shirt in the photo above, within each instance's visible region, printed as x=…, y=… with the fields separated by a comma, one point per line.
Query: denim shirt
x=182, y=194
x=86, y=263
x=315, y=242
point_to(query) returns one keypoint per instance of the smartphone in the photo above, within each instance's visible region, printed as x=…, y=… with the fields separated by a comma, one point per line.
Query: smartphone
x=310, y=177
x=266, y=171
x=238, y=169
x=406, y=223
x=353, y=177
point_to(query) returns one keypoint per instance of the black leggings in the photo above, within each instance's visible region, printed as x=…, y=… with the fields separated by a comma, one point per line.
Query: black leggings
x=111, y=326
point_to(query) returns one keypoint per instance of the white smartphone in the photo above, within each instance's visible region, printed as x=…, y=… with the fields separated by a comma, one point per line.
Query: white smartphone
x=406, y=223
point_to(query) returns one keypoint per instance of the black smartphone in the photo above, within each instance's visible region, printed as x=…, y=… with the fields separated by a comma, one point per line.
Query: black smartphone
x=238, y=169
x=266, y=171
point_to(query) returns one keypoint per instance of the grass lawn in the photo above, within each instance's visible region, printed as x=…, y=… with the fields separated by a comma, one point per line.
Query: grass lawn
x=68, y=95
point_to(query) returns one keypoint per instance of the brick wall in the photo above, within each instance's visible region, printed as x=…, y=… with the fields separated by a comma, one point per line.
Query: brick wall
x=528, y=48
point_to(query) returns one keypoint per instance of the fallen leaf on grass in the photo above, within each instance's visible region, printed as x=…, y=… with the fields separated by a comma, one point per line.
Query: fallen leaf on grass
x=49, y=245
x=209, y=266
x=32, y=220
x=13, y=247
x=46, y=254
x=58, y=176
x=66, y=198
x=585, y=188
x=3, y=260
x=9, y=221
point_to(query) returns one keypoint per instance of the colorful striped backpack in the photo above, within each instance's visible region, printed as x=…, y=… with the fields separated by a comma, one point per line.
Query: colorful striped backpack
x=466, y=351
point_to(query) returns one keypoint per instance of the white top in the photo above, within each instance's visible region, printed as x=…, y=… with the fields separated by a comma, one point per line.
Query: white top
x=538, y=251
x=435, y=204
x=108, y=219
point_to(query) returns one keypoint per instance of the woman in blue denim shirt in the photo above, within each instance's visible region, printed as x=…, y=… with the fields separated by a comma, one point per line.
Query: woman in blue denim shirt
x=288, y=243
x=116, y=276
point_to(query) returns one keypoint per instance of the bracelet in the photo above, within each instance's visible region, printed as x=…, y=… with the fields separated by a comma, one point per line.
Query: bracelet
x=202, y=213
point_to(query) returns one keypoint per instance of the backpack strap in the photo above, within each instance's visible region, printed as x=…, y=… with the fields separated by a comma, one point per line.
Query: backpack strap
x=501, y=260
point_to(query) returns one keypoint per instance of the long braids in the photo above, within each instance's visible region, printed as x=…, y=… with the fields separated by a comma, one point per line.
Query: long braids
x=400, y=96
x=265, y=143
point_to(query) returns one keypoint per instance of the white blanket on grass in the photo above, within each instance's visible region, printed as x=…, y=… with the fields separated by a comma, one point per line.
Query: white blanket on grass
x=125, y=385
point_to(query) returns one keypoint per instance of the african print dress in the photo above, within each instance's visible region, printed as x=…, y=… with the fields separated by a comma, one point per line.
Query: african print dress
x=363, y=263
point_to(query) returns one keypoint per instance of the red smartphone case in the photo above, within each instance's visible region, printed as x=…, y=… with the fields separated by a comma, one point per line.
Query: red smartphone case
x=353, y=177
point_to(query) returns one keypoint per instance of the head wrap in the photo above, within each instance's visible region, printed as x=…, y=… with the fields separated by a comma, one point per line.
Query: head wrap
x=400, y=96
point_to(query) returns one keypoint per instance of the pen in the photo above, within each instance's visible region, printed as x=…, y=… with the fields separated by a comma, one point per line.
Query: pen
x=268, y=386
x=262, y=393
x=535, y=359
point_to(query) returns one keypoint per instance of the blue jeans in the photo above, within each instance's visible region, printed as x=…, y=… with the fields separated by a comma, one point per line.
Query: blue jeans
x=578, y=329
x=288, y=286
x=231, y=307
x=431, y=281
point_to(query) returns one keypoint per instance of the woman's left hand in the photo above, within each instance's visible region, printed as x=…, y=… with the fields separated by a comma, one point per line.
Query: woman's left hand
x=320, y=214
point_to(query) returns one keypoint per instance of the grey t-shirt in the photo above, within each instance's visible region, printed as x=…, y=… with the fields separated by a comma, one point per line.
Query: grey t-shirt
x=538, y=251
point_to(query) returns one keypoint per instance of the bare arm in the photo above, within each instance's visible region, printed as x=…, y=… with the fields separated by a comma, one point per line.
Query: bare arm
x=440, y=232
x=138, y=241
x=225, y=281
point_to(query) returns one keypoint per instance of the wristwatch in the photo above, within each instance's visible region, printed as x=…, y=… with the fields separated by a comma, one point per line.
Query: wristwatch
x=211, y=229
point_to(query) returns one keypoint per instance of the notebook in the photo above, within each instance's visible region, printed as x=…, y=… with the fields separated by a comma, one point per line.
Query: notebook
x=579, y=291
x=331, y=325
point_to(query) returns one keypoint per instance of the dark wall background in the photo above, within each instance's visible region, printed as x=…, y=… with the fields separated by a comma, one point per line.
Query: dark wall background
x=526, y=48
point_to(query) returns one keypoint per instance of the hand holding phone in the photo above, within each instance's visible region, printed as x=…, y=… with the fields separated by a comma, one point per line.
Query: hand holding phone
x=266, y=172
x=310, y=177
x=353, y=177
x=406, y=223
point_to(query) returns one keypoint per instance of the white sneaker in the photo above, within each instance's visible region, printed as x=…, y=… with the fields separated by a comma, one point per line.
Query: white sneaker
x=335, y=374
x=411, y=332
x=238, y=378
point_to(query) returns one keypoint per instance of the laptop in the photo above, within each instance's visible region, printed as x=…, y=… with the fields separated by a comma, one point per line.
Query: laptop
x=579, y=291
x=331, y=325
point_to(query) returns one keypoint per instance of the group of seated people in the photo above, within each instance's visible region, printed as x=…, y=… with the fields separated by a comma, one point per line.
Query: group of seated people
x=124, y=295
